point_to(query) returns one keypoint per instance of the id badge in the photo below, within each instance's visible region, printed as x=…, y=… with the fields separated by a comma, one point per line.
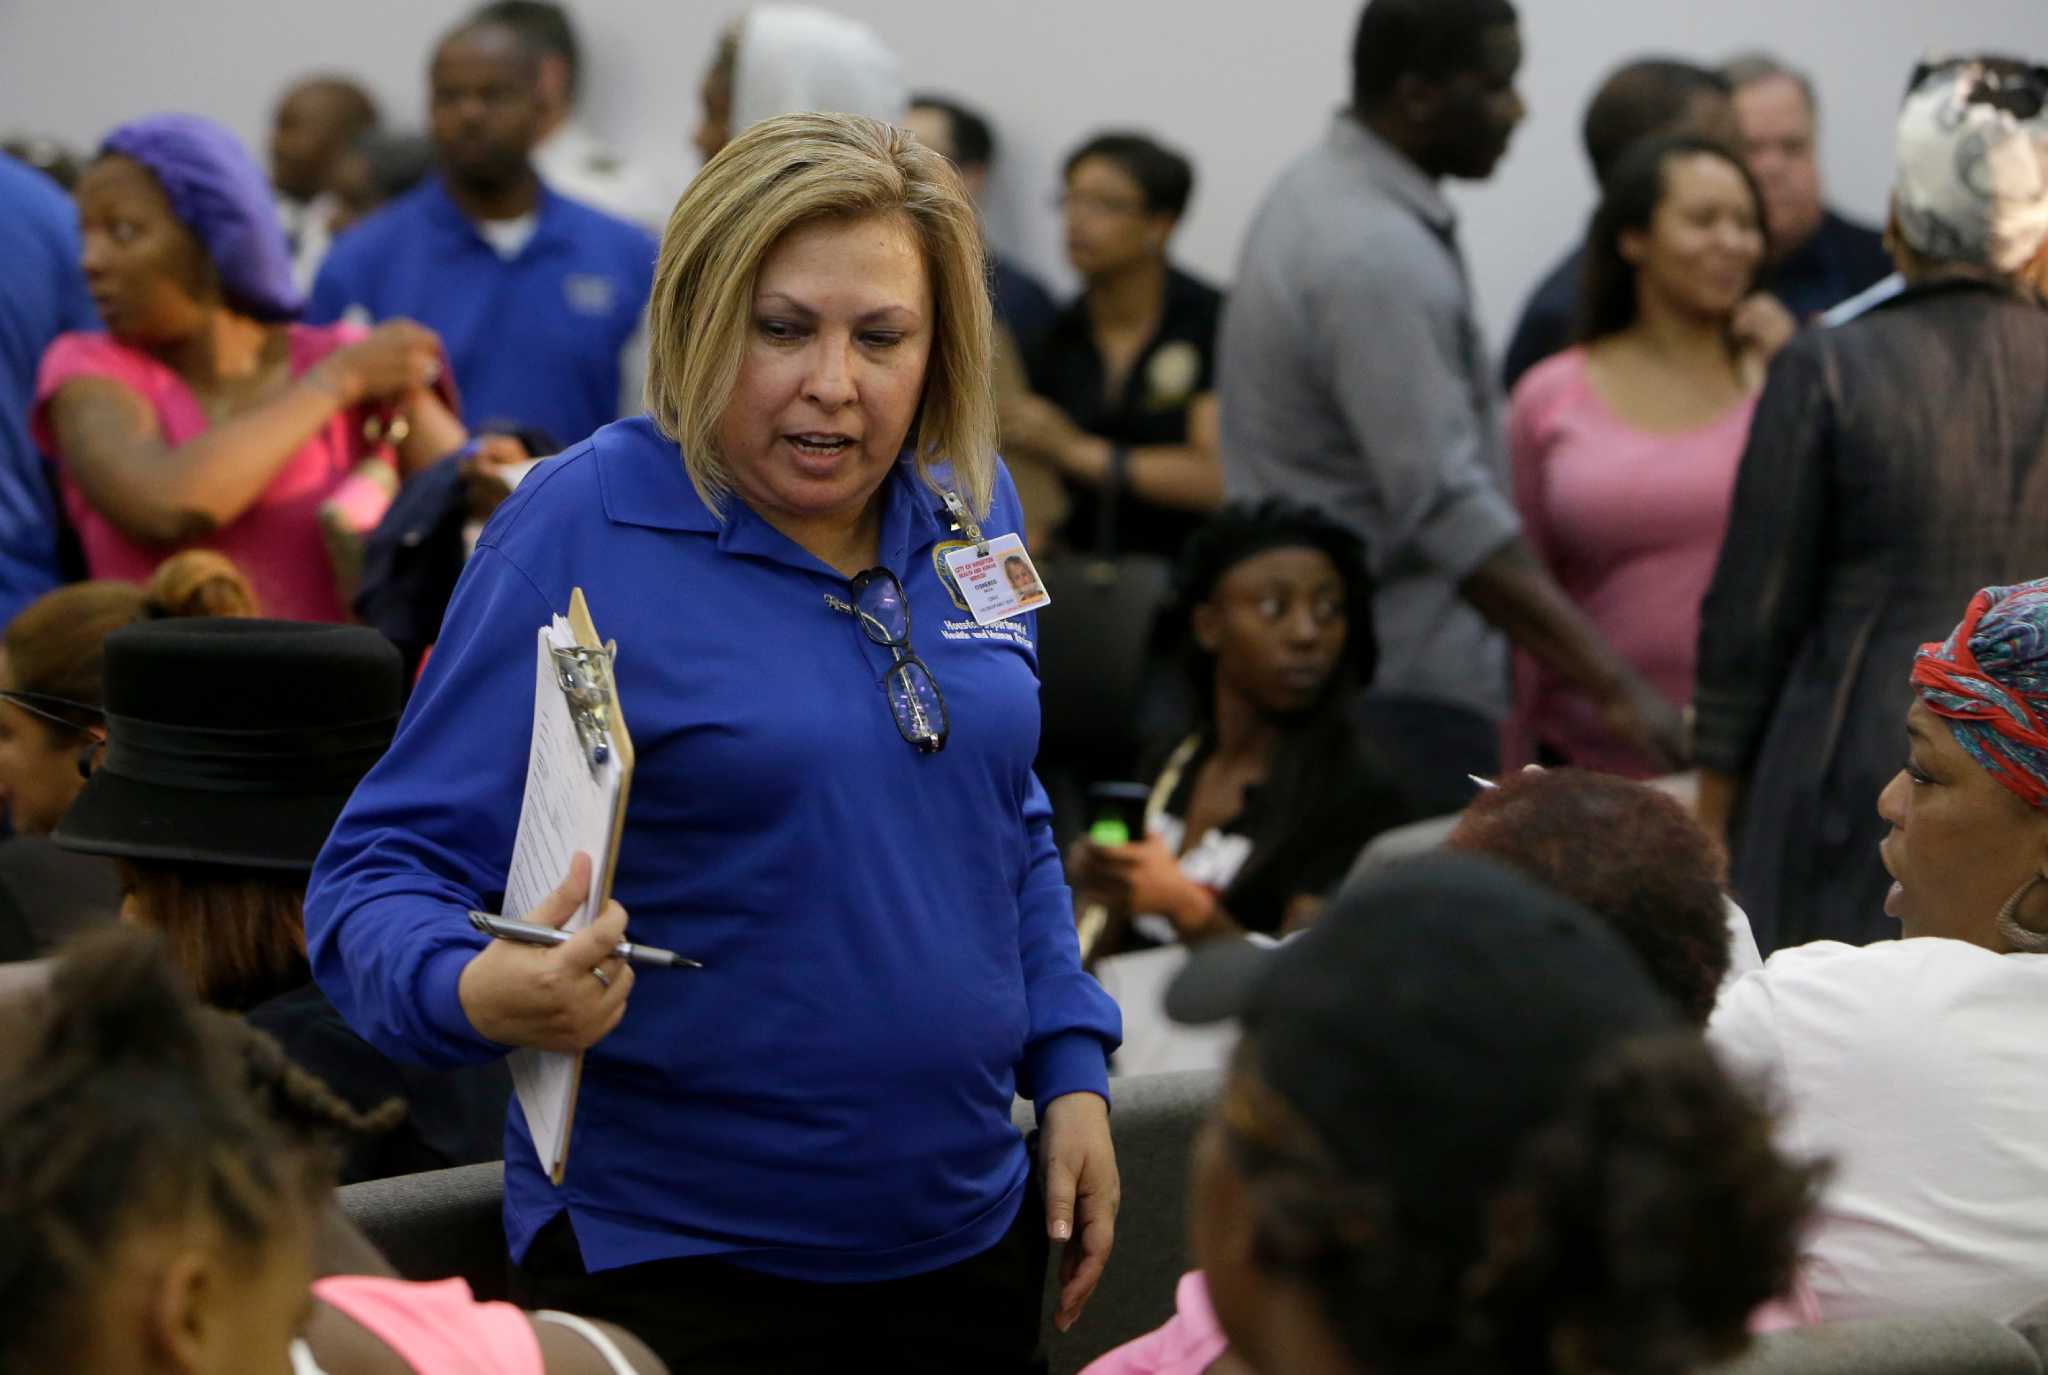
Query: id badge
x=999, y=584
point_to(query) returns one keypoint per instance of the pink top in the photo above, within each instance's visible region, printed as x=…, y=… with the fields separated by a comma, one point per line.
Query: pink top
x=1188, y=1344
x=1630, y=523
x=1192, y=1340
x=277, y=541
x=437, y=1328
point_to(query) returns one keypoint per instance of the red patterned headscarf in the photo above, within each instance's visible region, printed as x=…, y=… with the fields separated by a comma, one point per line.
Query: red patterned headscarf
x=1989, y=680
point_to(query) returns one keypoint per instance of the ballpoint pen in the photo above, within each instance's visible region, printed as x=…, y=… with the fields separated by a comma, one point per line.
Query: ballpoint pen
x=527, y=933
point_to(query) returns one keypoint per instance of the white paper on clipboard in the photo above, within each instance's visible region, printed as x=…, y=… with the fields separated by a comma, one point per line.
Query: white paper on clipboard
x=569, y=806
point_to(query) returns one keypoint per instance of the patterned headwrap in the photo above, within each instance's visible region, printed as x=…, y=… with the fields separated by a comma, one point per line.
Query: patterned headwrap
x=217, y=192
x=1973, y=164
x=1989, y=679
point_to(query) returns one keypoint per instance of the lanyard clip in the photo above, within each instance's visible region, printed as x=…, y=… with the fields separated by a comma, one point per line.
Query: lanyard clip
x=964, y=522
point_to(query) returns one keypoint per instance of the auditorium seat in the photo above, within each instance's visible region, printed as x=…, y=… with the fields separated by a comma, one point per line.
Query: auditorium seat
x=438, y=1224
x=448, y=1222
x=1935, y=1343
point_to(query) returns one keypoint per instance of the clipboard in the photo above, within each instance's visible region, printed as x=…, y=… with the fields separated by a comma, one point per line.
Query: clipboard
x=579, y=772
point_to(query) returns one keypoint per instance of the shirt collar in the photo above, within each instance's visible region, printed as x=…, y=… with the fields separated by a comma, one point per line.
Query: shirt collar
x=445, y=214
x=643, y=482
x=1392, y=172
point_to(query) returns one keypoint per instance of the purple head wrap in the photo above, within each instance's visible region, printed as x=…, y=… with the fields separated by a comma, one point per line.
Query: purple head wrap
x=217, y=192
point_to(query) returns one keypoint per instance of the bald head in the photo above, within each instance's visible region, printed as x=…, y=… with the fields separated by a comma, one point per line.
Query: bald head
x=316, y=121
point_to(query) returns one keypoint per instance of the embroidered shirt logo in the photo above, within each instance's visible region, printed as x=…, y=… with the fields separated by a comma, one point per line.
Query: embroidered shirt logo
x=588, y=294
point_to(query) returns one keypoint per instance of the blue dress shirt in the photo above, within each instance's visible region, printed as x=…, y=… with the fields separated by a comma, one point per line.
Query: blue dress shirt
x=534, y=341
x=888, y=935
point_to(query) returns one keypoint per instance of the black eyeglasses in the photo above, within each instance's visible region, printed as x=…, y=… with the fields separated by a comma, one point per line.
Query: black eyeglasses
x=914, y=700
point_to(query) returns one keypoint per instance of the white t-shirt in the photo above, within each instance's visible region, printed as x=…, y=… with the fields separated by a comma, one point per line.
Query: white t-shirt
x=1921, y=1067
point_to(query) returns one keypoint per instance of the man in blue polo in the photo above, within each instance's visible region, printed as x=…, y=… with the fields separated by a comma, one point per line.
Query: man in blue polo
x=42, y=295
x=538, y=298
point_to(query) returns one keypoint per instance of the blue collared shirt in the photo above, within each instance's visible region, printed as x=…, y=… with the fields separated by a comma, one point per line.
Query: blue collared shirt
x=534, y=341
x=888, y=935
x=42, y=295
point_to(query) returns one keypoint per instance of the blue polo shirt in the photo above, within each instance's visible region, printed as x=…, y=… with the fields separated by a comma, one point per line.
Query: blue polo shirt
x=535, y=340
x=42, y=295
x=888, y=935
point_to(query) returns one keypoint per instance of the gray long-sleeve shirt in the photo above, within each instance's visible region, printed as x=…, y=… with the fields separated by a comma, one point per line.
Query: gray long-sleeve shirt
x=1353, y=378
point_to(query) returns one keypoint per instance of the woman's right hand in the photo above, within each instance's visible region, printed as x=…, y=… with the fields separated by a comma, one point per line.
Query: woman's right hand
x=396, y=357
x=550, y=997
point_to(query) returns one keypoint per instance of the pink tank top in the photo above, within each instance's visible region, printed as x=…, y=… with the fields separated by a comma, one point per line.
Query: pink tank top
x=437, y=1328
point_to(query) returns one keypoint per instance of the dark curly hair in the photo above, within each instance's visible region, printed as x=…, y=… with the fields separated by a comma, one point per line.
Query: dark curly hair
x=1638, y=1228
x=1320, y=767
x=1628, y=852
x=137, y=1105
x=1246, y=529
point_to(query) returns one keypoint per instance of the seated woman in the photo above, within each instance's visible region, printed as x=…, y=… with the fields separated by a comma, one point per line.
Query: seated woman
x=204, y=416
x=1634, y=857
x=1466, y=1132
x=1265, y=802
x=1917, y=1063
x=50, y=659
x=231, y=747
x=164, y=1173
x=1625, y=447
x=1122, y=401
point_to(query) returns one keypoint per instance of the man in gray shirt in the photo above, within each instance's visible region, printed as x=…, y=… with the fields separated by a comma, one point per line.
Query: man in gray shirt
x=1353, y=377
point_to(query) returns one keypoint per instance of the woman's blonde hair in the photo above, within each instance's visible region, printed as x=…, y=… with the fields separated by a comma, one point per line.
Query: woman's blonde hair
x=781, y=174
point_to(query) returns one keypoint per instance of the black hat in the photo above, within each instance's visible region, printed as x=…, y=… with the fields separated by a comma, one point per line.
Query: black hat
x=234, y=742
x=1439, y=1011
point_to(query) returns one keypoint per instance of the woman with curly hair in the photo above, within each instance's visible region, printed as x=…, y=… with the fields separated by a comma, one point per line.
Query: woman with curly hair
x=1266, y=799
x=165, y=1177
x=1270, y=793
x=1466, y=1133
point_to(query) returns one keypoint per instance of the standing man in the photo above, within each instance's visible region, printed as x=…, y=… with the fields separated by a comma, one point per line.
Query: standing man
x=537, y=298
x=42, y=295
x=964, y=138
x=316, y=124
x=1818, y=258
x=569, y=157
x=1353, y=377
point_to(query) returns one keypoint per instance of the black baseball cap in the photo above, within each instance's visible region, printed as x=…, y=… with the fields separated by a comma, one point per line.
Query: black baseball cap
x=1440, y=1011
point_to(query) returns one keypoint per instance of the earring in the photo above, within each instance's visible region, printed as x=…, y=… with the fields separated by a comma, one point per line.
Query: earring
x=2022, y=940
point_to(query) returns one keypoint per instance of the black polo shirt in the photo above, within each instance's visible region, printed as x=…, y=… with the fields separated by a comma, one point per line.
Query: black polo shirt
x=1176, y=366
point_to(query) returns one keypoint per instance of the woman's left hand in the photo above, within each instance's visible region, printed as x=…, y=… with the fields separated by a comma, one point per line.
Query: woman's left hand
x=1082, y=1194
x=1145, y=877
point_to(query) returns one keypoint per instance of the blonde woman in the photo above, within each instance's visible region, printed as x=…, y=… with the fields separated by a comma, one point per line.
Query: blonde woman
x=806, y=1148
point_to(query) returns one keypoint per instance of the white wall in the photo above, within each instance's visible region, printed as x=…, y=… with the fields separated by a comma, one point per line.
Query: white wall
x=1239, y=86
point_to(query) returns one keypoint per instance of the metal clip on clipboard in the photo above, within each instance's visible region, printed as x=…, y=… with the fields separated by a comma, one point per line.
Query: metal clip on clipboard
x=584, y=676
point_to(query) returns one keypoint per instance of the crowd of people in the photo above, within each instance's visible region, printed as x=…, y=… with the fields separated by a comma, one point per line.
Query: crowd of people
x=1712, y=1018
